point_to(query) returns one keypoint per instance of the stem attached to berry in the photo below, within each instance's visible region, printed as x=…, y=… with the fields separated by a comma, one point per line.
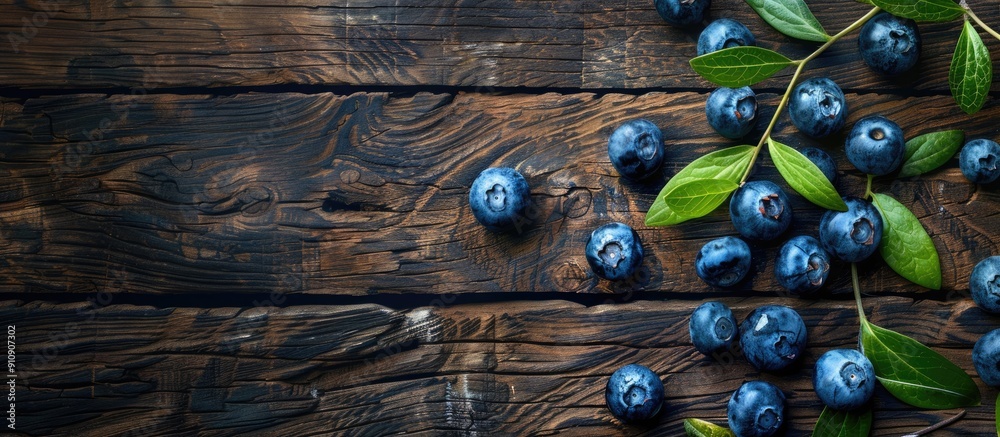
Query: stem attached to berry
x=800, y=66
x=857, y=291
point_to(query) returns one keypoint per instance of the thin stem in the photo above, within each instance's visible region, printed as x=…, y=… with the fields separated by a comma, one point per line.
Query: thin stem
x=857, y=291
x=800, y=66
x=985, y=27
x=938, y=425
x=868, y=187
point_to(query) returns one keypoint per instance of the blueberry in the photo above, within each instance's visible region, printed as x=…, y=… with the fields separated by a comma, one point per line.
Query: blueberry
x=614, y=251
x=984, y=284
x=875, y=145
x=772, y=337
x=636, y=149
x=822, y=160
x=732, y=112
x=712, y=328
x=851, y=235
x=723, y=262
x=986, y=358
x=817, y=107
x=756, y=409
x=634, y=393
x=980, y=161
x=723, y=34
x=760, y=210
x=802, y=265
x=498, y=198
x=889, y=45
x=844, y=379
x=682, y=13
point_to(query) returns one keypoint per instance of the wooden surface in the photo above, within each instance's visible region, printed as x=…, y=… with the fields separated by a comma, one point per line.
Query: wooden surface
x=250, y=218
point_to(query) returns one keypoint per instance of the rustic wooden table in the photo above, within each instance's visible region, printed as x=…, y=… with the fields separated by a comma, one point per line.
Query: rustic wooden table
x=250, y=218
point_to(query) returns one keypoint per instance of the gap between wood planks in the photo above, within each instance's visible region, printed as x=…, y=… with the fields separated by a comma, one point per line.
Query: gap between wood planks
x=406, y=90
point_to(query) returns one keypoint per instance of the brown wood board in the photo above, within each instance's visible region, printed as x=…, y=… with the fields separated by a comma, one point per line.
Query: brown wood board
x=512, y=368
x=368, y=193
x=62, y=44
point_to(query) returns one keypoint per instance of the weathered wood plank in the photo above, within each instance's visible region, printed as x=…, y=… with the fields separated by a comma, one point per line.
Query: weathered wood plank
x=367, y=193
x=541, y=43
x=510, y=368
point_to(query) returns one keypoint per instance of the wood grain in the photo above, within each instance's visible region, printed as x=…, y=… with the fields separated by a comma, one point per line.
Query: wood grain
x=61, y=44
x=367, y=193
x=512, y=368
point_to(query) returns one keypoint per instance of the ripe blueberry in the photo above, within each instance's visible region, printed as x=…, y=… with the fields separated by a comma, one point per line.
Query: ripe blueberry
x=984, y=284
x=817, y=107
x=756, y=409
x=802, y=265
x=723, y=262
x=683, y=13
x=712, y=328
x=772, y=337
x=980, y=161
x=732, y=112
x=723, y=34
x=498, y=198
x=889, y=45
x=844, y=379
x=614, y=251
x=636, y=149
x=875, y=145
x=851, y=235
x=760, y=210
x=986, y=358
x=634, y=393
x=822, y=160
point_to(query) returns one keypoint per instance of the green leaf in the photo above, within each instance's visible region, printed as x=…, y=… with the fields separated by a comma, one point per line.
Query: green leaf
x=790, y=17
x=727, y=164
x=834, y=423
x=971, y=72
x=914, y=373
x=697, y=197
x=905, y=245
x=701, y=428
x=930, y=151
x=739, y=66
x=997, y=416
x=804, y=177
x=922, y=10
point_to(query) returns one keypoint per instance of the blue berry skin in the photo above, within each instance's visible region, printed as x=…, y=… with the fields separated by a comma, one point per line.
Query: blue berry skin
x=844, y=379
x=851, y=235
x=498, y=198
x=760, y=210
x=986, y=358
x=723, y=34
x=634, y=393
x=723, y=262
x=682, y=13
x=636, y=149
x=817, y=107
x=889, y=45
x=875, y=145
x=802, y=265
x=614, y=251
x=773, y=337
x=756, y=409
x=980, y=161
x=712, y=328
x=984, y=284
x=732, y=112
x=822, y=160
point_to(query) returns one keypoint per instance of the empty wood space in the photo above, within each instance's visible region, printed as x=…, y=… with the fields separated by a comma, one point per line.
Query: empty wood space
x=251, y=217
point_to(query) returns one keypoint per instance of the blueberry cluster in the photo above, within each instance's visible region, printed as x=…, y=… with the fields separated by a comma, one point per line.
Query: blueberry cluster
x=984, y=284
